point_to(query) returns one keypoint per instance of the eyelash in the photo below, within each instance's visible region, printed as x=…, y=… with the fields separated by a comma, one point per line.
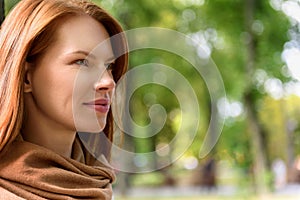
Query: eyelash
x=110, y=66
x=85, y=62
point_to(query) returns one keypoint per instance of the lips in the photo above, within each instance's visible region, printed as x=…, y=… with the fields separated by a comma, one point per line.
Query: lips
x=99, y=105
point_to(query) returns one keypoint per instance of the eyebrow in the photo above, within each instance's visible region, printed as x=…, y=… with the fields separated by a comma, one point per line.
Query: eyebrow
x=90, y=55
x=86, y=53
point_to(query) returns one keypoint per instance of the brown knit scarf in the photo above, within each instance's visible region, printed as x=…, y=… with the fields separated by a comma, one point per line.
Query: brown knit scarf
x=29, y=171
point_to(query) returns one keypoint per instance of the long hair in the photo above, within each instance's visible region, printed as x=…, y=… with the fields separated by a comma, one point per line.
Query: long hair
x=25, y=34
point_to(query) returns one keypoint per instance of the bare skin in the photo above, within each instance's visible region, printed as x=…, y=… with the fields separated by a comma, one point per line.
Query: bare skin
x=50, y=101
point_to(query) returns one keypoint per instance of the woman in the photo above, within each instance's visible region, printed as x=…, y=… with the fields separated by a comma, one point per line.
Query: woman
x=60, y=61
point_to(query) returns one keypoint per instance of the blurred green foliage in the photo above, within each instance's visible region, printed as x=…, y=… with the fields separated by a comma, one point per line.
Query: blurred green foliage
x=222, y=23
x=225, y=20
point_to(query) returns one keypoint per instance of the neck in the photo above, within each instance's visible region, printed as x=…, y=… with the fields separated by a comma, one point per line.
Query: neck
x=40, y=129
x=48, y=134
x=60, y=142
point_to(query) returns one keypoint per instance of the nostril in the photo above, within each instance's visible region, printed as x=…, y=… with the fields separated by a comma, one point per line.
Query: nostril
x=100, y=86
x=103, y=88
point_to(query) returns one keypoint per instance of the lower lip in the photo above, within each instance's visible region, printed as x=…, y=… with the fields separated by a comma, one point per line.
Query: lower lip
x=100, y=108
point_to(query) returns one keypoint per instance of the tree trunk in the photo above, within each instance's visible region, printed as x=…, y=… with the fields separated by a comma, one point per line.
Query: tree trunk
x=255, y=130
x=258, y=149
x=290, y=148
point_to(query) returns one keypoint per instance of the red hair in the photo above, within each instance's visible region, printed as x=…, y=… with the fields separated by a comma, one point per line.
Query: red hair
x=25, y=34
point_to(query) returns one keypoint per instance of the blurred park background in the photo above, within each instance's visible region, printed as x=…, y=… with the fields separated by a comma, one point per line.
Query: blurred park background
x=256, y=46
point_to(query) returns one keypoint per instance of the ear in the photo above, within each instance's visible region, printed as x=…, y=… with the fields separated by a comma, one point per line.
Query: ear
x=28, y=78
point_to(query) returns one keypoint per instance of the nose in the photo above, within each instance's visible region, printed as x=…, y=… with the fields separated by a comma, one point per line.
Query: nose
x=106, y=82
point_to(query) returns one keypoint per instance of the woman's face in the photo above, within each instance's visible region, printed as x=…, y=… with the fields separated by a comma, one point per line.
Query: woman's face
x=71, y=83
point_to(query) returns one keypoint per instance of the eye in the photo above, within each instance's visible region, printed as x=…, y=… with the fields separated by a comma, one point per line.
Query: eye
x=82, y=62
x=109, y=66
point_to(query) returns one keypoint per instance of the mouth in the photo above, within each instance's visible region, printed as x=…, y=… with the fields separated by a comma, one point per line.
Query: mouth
x=99, y=105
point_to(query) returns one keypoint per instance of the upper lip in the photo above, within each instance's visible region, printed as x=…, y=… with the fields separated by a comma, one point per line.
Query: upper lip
x=101, y=101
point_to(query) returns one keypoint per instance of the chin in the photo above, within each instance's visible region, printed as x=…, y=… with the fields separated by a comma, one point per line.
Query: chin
x=94, y=124
x=90, y=128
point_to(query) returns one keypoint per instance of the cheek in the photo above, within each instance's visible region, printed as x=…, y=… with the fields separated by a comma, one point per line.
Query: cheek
x=53, y=89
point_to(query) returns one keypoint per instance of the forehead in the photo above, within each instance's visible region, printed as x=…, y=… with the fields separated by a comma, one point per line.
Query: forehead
x=82, y=33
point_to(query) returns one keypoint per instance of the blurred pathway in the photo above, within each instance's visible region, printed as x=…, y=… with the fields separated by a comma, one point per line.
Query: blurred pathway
x=291, y=191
